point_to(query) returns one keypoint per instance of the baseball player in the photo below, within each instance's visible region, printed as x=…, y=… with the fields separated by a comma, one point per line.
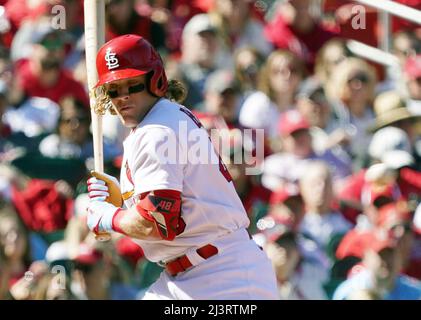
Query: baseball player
x=185, y=215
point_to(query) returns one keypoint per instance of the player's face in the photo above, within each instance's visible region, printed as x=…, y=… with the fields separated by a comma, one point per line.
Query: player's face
x=131, y=99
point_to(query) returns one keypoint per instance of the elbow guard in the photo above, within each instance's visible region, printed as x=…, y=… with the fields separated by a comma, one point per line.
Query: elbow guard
x=163, y=208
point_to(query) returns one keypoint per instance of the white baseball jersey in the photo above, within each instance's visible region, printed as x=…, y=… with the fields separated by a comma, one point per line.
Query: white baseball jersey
x=162, y=154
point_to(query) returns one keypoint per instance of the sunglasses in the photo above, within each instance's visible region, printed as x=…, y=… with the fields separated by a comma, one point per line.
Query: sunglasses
x=287, y=73
x=361, y=77
x=132, y=89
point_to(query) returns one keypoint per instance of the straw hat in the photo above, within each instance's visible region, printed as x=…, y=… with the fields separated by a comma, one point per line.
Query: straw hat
x=390, y=108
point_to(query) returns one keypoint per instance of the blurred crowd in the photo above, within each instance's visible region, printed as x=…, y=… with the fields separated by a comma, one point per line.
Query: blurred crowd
x=336, y=205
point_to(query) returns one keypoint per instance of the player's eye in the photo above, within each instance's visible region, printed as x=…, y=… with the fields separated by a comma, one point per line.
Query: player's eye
x=132, y=89
x=112, y=93
x=136, y=88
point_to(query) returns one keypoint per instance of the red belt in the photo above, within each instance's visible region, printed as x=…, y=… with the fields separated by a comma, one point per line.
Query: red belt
x=183, y=263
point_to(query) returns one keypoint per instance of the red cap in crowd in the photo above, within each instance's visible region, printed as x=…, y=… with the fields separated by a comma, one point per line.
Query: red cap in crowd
x=288, y=221
x=292, y=121
x=282, y=194
x=375, y=194
x=118, y=161
x=393, y=214
x=129, y=250
x=356, y=243
x=88, y=255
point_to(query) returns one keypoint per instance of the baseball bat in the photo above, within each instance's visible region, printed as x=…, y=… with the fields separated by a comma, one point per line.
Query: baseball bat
x=94, y=16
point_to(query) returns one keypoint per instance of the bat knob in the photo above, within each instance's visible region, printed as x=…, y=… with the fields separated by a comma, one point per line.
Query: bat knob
x=102, y=237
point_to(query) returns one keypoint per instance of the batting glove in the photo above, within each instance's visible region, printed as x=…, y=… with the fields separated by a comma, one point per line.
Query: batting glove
x=103, y=185
x=97, y=189
x=100, y=215
x=100, y=211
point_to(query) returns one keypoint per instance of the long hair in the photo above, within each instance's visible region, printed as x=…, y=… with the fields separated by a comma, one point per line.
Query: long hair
x=322, y=63
x=8, y=212
x=176, y=92
x=264, y=75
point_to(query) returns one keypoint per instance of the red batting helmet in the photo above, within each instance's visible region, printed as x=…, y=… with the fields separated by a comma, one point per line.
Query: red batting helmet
x=129, y=56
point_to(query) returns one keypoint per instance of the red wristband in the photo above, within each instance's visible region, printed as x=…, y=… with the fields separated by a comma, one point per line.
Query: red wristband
x=144, y=213
x=116, y=221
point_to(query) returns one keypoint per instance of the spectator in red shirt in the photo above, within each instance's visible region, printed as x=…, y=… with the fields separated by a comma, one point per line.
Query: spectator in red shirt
x=44, y=205
x=390, y=146
x=393, y=219
x=42, y=75
x=294, y=28
x=122, y=18
x=22, y=14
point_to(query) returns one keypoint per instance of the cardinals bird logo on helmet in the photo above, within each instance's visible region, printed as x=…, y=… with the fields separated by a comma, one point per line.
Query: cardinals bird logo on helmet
x=111, y=59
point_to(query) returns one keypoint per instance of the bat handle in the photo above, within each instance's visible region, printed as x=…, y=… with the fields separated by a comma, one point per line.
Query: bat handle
x=103, y=236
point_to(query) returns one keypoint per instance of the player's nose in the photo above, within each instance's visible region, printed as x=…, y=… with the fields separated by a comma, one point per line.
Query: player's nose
x=123, y=98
